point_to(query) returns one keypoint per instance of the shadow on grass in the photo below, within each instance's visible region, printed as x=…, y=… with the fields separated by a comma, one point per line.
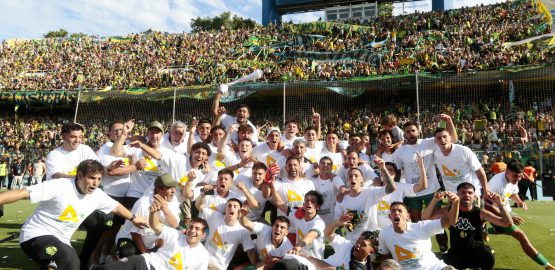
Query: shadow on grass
x=14, y=226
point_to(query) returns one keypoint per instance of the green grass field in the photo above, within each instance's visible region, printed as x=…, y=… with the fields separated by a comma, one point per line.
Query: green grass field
x=539, y=226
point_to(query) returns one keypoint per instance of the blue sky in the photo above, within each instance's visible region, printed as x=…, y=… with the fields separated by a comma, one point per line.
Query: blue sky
x=33, y=18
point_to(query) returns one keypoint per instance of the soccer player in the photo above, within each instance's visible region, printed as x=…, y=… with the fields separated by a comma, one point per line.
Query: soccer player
x=63, y=204
x=409, y=243
x=467, y=248
x=271, y=243
x=359, y=203
x=181, y=250
x=457, y=164
x=506, y=185
x=225, y=233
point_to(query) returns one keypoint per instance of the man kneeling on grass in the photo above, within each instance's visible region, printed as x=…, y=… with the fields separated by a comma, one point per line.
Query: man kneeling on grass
x=63, y=204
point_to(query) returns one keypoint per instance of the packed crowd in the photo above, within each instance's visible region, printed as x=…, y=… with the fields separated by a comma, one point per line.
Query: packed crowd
x=220, y=176
x=456, y=40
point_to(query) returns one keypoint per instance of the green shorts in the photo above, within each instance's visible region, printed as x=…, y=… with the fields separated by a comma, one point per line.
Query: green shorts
x=419, y=202
x=502, y=230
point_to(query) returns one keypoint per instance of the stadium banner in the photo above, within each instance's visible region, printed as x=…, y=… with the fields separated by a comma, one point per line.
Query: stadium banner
x=38, y=97
x=366, y=56
x=542, y=42
x=326, y=27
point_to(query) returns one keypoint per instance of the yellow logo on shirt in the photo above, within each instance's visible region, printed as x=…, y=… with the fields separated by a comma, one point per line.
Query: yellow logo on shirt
x=219, y=161
x=270, y=160
x=176, y=261
x=72, y=172
x=383, y=206
x=403, y=254
x=213, y=207
x=292, y=196
x=446, y=171
x=184, y=180
x=69, y=215
x=300, y=234
x=264, y=253
x=125, y=161
x=217, y=240
x=150, y=166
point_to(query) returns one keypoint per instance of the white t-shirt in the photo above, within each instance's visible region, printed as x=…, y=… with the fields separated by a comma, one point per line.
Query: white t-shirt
x=342, y=252
x=114, y=185
x=140, y=208
x=142, y=180
x=61, y=209
x=405, y=159
x=388, y=157
x=62, y=161
x=222, y=240
x=263, y=242
x=314, y=154
x=255, y=212
x=301, y=227
x=292, y=192
x=217, y=203
x=289, y=143
x=337, y=159
x=368, y=174
x=263, y=153
x=218, y=161
x=329, y=189
x=364, y=204
x=501, y=186
x=403, y=190
x=176, y=253
x=227, y=120
x=177, y=149
x=457, y=167
x=413, y=248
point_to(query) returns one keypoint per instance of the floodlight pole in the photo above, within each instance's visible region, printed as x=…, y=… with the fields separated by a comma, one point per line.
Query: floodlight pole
x=417, y=101
x=284, y=103
x=174, y=97
x=77, y=105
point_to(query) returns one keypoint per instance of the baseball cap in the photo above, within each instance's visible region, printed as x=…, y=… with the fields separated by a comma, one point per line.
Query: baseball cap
x=271, y=129
x=165, y=180
x=155, y=124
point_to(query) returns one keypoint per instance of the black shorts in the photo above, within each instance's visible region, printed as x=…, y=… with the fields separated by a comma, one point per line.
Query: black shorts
x=47, y=250
x=135, y=262
x=480, y=257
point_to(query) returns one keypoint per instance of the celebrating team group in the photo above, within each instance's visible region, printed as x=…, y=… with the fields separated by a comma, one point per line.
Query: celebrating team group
x=222, y=194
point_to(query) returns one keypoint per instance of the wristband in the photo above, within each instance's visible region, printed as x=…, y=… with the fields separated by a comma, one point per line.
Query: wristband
x=133, y=216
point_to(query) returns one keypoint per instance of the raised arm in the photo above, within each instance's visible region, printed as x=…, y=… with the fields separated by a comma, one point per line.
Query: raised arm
x=147, y=149
x=251, y=200
x=502, y=220
x=117, y=147
x=453, y=215
x=316, y=120
x=171, y=219
x=450, y=126
x=344, y=220
x=216, y=103
x=153, y=218
x=423, y=184
x=244, y=219
x=278, y=201
x=430, y=212
x=386, y=177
